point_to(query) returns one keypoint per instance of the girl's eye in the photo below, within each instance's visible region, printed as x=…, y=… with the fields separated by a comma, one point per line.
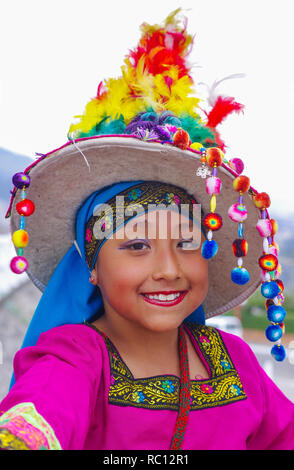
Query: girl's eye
x=137, y=246
x=189, y=245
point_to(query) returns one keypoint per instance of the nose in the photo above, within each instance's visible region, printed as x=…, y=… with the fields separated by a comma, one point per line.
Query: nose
x=166, y=263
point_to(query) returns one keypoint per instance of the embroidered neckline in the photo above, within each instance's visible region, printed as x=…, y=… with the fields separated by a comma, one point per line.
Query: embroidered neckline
x=162, y=391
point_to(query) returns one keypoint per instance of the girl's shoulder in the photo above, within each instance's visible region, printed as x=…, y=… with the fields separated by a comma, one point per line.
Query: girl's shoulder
x=74, y=344
x=78, y=333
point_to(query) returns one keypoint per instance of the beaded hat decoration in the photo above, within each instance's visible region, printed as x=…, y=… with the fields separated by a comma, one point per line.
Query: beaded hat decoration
x=147, y=125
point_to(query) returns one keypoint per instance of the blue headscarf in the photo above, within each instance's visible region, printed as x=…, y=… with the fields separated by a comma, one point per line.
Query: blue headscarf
x=69, y=297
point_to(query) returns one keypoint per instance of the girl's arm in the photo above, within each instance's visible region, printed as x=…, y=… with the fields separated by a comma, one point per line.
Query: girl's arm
x=56, y=382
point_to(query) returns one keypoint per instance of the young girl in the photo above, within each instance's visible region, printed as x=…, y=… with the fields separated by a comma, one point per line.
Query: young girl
x=117, y=355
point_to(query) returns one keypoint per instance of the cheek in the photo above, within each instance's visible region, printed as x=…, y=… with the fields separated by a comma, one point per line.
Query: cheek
x=118, y=276
x=198, y=275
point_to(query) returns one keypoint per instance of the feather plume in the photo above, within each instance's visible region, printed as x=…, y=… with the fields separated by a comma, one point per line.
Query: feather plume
x=155, y=91
x=223, y=106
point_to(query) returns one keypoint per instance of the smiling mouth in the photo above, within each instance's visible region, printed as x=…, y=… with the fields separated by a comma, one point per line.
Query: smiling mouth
x=167, y=300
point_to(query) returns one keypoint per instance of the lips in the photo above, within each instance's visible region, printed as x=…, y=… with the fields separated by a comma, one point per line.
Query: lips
x=165, y=303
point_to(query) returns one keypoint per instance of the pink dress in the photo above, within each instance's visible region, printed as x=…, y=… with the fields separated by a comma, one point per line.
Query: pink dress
x=73, y=391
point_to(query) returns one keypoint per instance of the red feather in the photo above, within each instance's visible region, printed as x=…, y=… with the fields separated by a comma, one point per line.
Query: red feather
x=223, y=106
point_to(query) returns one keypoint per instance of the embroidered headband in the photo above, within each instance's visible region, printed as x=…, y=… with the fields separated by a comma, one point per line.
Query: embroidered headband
x=144, y=196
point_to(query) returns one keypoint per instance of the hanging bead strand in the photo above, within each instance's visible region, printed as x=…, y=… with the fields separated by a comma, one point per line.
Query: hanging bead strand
x=238, y=213
x=212, y=221
x=272, y=287
x=20, y=237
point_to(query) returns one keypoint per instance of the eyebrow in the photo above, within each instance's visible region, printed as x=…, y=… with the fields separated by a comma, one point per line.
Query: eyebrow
x=145, y=222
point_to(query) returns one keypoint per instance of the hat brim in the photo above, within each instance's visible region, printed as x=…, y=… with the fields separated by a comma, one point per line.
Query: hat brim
x=62, y=180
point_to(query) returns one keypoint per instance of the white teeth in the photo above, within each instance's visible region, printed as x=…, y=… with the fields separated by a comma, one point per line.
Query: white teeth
x=163, y=297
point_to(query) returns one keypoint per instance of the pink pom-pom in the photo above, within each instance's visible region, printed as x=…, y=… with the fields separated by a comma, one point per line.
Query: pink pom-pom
x=264, y=227
x=237, y=212
x=19, y=264
x=213, y=185
x=237, y=165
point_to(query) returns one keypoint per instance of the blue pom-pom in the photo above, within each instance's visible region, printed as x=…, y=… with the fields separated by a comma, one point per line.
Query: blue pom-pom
x=278, y=352
x=209, y=249
x=240, y=276
x=273, y=332
x=270, y=289
x=276, y=313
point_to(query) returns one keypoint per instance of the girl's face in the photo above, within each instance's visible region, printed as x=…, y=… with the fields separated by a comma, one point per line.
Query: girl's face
x=131, y=265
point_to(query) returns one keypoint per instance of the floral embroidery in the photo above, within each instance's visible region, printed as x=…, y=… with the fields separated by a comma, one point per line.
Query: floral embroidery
x=112, y=380
x=138, y=397
x=172, y=198
x=88, y=235
x=203, y=339
x=162, y=392
x=22, y=427
x=134, y=194
x=206, y=388
x=107, y=222
x=226, y=365
x=235, y=390
x=168, y=386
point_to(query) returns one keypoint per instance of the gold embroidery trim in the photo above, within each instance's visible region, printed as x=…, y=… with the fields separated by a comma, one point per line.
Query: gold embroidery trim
x=162, y=392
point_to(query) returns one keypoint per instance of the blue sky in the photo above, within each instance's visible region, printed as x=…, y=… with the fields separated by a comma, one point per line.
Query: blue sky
x=54, y=54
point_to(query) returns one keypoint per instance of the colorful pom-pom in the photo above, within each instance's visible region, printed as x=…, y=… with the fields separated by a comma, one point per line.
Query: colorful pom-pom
x=241, y=183
x=262, y=200
x=213, y=221
x=20, y=180
x=213, y=185
x=278, y=352
x=281, y=285
x=276, y=313
x=270, y=289
x=240, y=247
x=240, y=276
x=25, y=207
x=196, y=146
x=274, y=225
x=20, y=238
x=237, y=212
x=19, y=264
x=209, y=249
x=273, y=332
x=214, y=156
x=237, y=165
x=268, y=262
x=264, y=227
x=181, y=139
